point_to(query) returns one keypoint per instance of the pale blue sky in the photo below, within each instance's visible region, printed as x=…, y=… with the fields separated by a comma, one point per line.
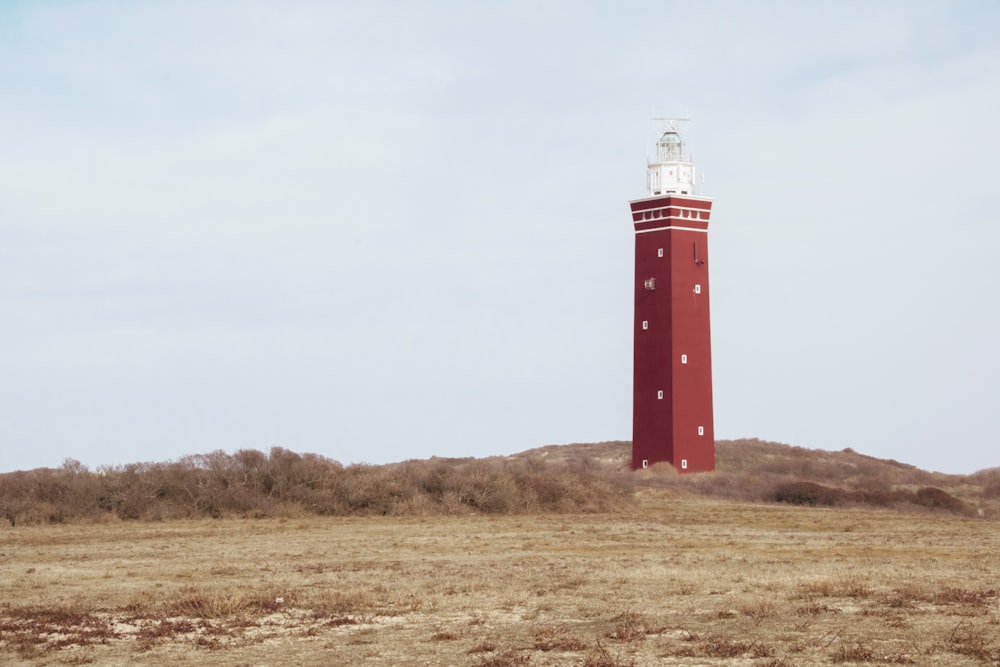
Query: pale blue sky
x=389, y=230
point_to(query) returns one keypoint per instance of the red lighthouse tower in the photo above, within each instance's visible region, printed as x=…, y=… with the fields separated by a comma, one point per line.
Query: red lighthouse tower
x=672, y=372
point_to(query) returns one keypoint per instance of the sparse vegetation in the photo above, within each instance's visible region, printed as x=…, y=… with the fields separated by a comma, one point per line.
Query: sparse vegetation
x=670, y=570
x=285, y=484
x=573, y=478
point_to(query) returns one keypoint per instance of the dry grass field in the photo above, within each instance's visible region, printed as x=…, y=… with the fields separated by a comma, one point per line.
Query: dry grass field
x=676, y=580
x=901, y=567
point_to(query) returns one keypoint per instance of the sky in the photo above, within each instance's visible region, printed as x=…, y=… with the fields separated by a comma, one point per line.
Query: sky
x=380, y=231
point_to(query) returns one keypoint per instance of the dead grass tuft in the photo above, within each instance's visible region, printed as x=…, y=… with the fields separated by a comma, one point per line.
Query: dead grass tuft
x=815, y=609
x=485, y=646
x=724, y=647
x=337, y=602
x=509, y=658
x=951, y=595
x=972, y=640
x=557, y=638
x=630, y=626
x=849, y=586
x=857, y=652
x=196, y=603
x=601, y=657
x=759, y=609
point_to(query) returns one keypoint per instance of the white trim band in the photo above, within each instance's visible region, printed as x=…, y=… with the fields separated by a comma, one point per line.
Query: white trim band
x=659, y=229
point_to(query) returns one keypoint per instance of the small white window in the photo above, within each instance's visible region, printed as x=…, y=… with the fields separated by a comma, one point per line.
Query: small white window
x=650, y=283
x=697, y=289
x=659, y=252
x=645, y=324
x=684, y=464
x=645, y=463
x=701, y=430
x=684, y=358
x=659, y=394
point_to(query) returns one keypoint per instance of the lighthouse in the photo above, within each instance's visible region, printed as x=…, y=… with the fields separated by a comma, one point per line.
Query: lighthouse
x=672, y=349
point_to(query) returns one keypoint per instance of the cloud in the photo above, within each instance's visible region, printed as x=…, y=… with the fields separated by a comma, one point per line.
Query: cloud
x=392, y=230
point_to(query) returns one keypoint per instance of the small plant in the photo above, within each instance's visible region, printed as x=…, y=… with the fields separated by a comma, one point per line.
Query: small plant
x=814, y=609
x=505, y=659
x=344, y=602
x=967, y=639
x=485, y=646
x=724, y=647
x=601, y=657
x=553, y=638
x=758, y=610
x=855, y=653
x=951, y=595
x=851, y=586
x=196, y=603
x=630, y=627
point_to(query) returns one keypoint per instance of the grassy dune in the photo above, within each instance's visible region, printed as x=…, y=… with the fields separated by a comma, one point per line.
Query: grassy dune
x=570, y=478
x=694, y=570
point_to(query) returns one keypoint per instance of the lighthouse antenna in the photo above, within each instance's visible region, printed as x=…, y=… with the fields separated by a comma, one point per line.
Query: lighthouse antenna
x=671, y=122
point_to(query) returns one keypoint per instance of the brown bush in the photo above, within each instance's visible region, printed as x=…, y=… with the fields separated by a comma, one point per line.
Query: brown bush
x=556, y=478
x=935, y=498
x=283, y=483
x=806, y=493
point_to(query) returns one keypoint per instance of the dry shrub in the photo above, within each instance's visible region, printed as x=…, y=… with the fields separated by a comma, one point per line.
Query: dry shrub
x=570, y=478
x=971, y=640
x=857, y=652
x=759, y=609
x=845, y=477
x=335, y=602
x=806, y=493
x=195, y=603
x=988, y=482
x=285, y=484
x=814, y=609
x=907, y=595
x=485, y=646
x=813, y=494
x=509, y=658
x=951, y=595
x=630, y=626
x=727, y=647
x=662, y=473
x=557, y=638
x=601, y=657
x=935, y=498
x=851, y=586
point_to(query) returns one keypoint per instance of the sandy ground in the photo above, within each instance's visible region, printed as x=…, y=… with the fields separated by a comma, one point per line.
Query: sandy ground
x=681, y=580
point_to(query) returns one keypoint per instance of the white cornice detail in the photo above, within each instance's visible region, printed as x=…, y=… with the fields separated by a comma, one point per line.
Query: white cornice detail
x=658, y=229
